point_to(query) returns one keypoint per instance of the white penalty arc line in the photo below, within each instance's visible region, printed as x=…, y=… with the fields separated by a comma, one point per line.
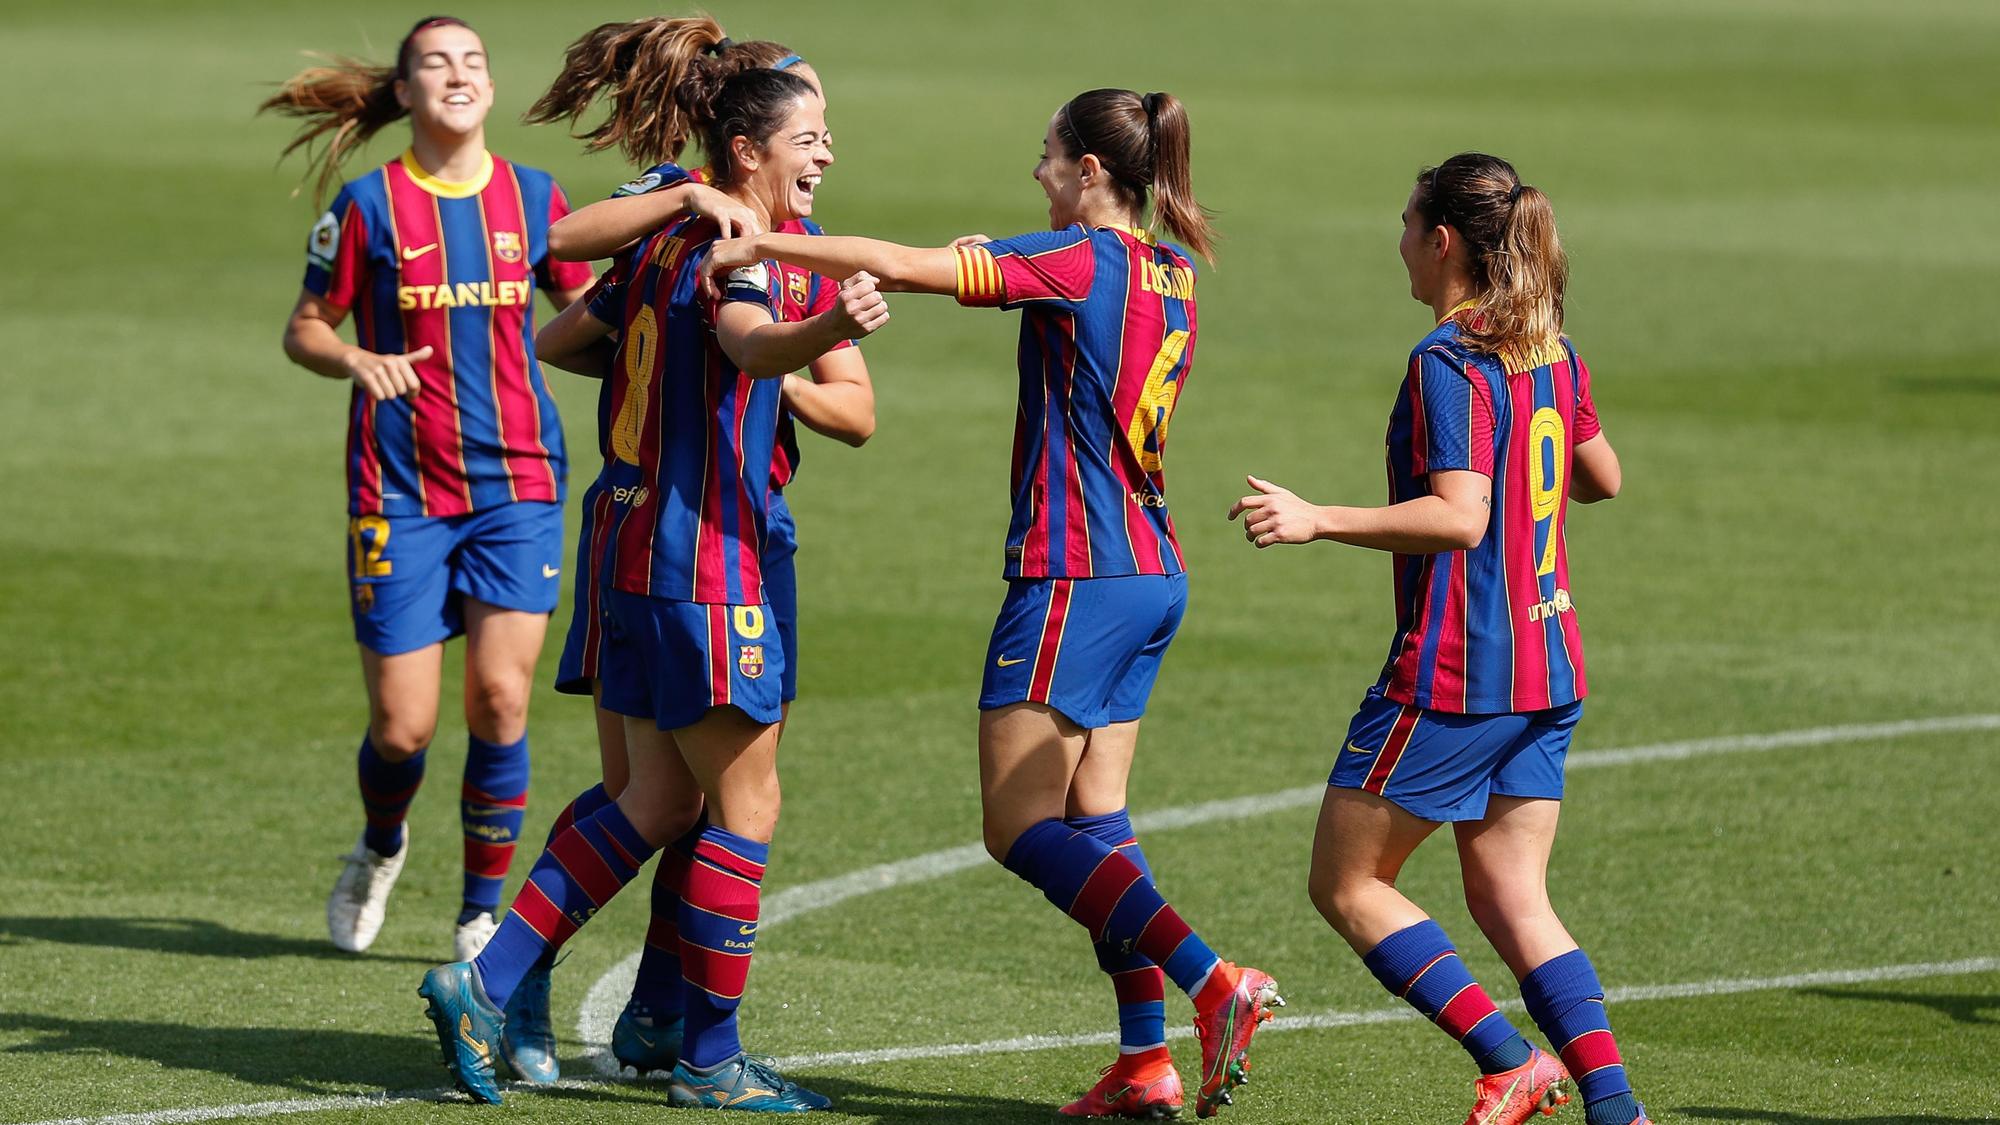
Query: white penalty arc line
x=606, y=998
x=1303, y=1022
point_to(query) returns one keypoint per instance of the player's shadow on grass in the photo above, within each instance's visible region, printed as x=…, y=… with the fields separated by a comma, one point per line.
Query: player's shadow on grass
x=178, y=935
x=1774, y=1117
x=312, y=1060
x=1963, y=1009
x=850, y=1099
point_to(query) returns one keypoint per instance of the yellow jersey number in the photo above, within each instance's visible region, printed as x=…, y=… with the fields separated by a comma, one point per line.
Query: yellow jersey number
x=1148, y=431
x=370, y=537
x=1545, y=483
x=642, y=346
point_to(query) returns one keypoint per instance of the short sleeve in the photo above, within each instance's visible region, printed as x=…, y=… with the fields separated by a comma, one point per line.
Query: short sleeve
x=1048, y=267
x=1587, y=426
x=337, y=252
x=606, y=299
x=653, y=179
x=755, y=284
x=551, y=273
x=1452, y=409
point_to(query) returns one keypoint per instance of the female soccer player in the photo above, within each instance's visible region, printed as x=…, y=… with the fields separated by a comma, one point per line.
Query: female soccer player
x=635, y=67
x=1492, y=434
x=455, y=462
x=688, y=656
x=1096, y=586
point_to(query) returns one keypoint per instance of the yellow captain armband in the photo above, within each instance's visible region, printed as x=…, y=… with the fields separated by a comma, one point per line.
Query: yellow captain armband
x=979, y=281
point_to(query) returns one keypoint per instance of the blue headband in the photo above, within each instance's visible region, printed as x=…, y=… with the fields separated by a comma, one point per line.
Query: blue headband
x=787, y=62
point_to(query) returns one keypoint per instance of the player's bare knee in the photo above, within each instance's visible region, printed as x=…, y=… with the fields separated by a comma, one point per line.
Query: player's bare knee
x=496, y=709
x=398, y=739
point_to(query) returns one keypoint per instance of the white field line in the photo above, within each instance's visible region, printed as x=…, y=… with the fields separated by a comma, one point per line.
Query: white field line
x=1302, y=1022
x=606, y=998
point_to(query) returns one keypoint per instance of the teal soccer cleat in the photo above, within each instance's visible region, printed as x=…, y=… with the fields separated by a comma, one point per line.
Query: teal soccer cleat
x=468, y=1025
x=528, y=1043
x=644, y=1044
x=746, y=1082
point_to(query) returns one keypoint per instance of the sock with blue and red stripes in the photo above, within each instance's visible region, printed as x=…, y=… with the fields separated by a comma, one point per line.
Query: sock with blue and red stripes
x=1139, y=984
x=718, y=928
x=491, y=803
x=589, y=863
x=656, y=992
x=387, y=788
x=1108, y=895
x=1419, y=965
x=584, y=804
x=1567, y=1003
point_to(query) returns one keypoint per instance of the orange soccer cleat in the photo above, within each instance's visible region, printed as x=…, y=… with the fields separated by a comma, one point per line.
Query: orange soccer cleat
x=1144, y=1085
x=1513, y=1096
x=1225, y=1027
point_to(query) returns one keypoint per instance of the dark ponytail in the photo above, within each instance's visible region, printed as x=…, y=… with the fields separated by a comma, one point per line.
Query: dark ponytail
x=346, y=102
x=1144, y=145
x=655, y=73
x=1517, y=257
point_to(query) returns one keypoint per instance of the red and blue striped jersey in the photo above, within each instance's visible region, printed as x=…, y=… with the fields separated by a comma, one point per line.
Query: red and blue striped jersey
x=1107, y=340
x=422, y=261
x=690, y=440
x=1492, y=629
x=805, y=294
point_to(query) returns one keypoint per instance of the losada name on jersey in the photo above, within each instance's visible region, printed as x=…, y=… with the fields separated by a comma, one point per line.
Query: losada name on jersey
x=1168, y=281
x=465, y=294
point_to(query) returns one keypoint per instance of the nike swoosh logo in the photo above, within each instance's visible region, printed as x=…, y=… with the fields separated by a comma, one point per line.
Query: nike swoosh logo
x=1006, y=663
x=465, y=1034
x=1353, y=749
x=411, y=255
x=746, y=931
x=1506, y=1099
x=550, y=571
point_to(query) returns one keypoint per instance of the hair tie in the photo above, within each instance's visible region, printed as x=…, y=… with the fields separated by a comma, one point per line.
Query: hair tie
x=786, y=63
x=1151, y=104
x=722, y=45
x=1514, y=196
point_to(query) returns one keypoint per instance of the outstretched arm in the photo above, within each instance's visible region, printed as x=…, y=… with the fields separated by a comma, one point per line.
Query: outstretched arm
x=1452, y=518
x=897, y=268
x=607, y=226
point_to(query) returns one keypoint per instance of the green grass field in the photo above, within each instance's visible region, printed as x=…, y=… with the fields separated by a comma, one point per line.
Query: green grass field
x=1784, y=245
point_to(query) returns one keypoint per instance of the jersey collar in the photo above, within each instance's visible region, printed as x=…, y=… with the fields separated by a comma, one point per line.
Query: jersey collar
x=449, y=189
x=1145, y=237
x=1460, y=307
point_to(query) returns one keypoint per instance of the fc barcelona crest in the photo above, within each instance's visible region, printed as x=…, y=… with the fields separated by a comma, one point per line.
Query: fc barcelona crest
x=364, y=597
x=750, y=661
x=795, y=285
x=507, y=245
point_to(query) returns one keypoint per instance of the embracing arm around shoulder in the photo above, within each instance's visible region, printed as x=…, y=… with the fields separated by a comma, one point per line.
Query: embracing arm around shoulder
x=312, y=340
x=1594, y=471
x=575, y=341
x=897, y=268
x=601, y=229
x=837, y=400
x=1452, y=518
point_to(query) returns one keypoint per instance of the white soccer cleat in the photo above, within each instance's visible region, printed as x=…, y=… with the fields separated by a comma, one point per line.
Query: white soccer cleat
x=472, y=936
x=360, y=897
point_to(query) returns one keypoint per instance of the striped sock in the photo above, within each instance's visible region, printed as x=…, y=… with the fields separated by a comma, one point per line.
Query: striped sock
x=1108, y=895
x=1139, y=984
x=657, y=990
x=387, y=788
x=1567, y=1003
x=718, y=928
x=1419, y=965
x=491, y=803
x=583, y=805
x=572, y=880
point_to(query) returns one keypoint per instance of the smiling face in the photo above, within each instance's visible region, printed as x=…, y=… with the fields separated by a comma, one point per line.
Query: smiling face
x=785, y=170
x=1062, y=178
x=446, y=86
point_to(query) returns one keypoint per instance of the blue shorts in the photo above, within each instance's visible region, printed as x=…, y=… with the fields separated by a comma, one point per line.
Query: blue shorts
x=583, y=646
x=409, y=574
x=1443, y=766
x=672, y=661
x=1088, y=647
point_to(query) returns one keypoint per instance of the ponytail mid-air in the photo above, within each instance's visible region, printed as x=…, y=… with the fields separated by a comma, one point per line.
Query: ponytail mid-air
x=345, y=102
x=1517, y=259
x=1142, y=141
